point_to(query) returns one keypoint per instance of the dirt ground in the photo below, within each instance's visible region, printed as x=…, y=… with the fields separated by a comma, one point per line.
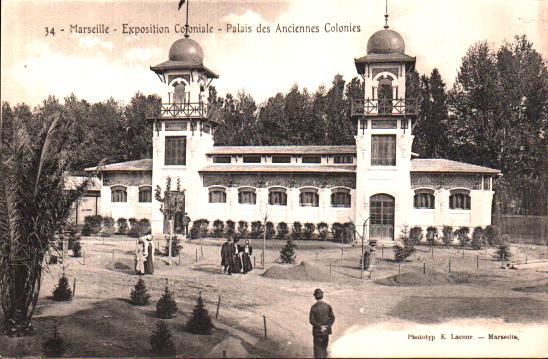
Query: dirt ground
x=100, y=321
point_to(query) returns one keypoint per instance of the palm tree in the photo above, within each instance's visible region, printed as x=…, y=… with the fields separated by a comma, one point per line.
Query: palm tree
x=34, y=204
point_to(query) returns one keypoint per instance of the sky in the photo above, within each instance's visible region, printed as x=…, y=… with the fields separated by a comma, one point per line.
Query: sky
x=96, y=67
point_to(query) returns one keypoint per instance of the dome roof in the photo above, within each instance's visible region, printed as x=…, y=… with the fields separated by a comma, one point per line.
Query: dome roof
x=186, y=50
x=386, y=42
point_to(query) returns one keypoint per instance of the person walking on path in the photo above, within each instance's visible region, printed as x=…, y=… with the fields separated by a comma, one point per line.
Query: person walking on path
x=186, y=223
x=247, y=251
x=140, y=257
x=322, y=319
x=227, y=255
x=149, y=254
x=237, y=261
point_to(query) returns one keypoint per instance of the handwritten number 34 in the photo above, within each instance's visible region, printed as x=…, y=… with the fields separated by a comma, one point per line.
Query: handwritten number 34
x=49, y=31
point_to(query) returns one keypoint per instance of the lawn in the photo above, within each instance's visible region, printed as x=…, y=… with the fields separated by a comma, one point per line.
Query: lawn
x=100, y=321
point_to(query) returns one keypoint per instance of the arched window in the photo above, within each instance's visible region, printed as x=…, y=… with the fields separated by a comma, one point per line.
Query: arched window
x=277, y=197
x=118, y=194
x=385, y=96
x=217, y=195
x=459, y=199
x=247, y=196
x=424, y=199
x=340, y=197
x=145, y=194
x=309, y=197
x=180, y=95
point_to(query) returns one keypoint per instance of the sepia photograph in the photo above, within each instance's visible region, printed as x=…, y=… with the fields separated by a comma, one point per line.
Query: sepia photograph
x=274, y=179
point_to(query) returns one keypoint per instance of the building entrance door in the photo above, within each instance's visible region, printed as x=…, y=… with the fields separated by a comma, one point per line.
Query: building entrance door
x=381, y=212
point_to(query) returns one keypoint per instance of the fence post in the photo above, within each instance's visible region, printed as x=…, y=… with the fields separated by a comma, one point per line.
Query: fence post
x=218, y=306
x=316, y=255
x=73, y=287
x=224, y=353
x=449, y=265
x=424, y=268
x=477, y=262
x=330, y=268
x=113, y=262
x=399, y=268
x=382, y=250
x=84, y=256
x=432, y=251
x=264, y=321
x=179, y=258
x=525, y=257
x=196, y=254
x=254, y=262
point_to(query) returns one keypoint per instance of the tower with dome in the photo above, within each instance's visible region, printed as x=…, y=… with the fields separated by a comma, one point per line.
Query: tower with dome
x=378, y=180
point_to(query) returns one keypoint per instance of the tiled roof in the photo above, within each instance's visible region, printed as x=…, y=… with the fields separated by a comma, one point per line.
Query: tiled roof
x=442, y=165
x=180, y=65
x=73, y=181
x=137, y=165
x=280, y=168
x=286, y=150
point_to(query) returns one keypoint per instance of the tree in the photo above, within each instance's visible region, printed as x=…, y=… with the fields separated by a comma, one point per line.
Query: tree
x=287, y=253
x=432, y=235
x=161, y=341
x=55, y=345
x=166, y=306
x=139, y=294
x=405, y=247
x=199, y=321
x=34, y=204
x=62, y=291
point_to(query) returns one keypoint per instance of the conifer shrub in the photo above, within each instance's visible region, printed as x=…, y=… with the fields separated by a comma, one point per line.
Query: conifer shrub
x=432, y=235
x=218, y=227
x=296, y=230
x=199, y=321
x=230, y=228
x=447, y=232
x=478, y=238
x=323, y=229
x=492, y=235
x=256, y=229
x=282, y=230
x=107, y=228
x=161, y=340
x=337, y=229
x=243, y=229
x=77, y=249
x=287, y=253
x=93, y=223
x=122, y=225
x=416, y=235
x=309, y=229
x=133, y=226
x=349, y=232
x=503, y=249
x=270, y=232
x=462, y=235
x=405, y=247
x=204, y=226
x=55, y=345
x=62, y=291
x=139, y=294
x=166, y=307
x=176, y=245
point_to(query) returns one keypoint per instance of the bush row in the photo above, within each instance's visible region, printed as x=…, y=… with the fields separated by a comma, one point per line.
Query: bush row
x=106, y=226
x=308, y=231
x=479, y=238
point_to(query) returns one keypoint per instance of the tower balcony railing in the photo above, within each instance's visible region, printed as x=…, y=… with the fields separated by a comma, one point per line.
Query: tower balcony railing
x=384, y=107
x=179, y=110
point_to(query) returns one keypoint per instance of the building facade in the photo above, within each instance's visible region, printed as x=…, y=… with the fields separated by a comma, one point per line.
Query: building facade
x=378, y=180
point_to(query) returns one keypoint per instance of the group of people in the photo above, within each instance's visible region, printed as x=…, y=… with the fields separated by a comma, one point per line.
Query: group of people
x=144, y=255
x=236, y=258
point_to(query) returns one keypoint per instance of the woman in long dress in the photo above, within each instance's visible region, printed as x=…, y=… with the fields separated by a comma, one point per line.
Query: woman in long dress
x=247, y=251
x=149, y=254
x=237, y=262
x=140, y=257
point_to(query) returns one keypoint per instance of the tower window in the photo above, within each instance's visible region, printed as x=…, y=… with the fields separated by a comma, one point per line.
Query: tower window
x=176, y=126
x=424, y=199
x=175, y=151
x=459, y=199
x=312, y=159
x=277, y=197
x=252, y=159
x=217, y=195
x=343, y=159
x=118, y=194
x=383, y=150
x=281, y=159
x=145, y=194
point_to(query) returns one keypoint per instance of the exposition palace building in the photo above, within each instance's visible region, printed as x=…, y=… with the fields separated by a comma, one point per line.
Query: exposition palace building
x=378, y=178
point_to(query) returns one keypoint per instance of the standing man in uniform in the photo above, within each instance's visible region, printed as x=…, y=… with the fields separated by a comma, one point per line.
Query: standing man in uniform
x=186, y=223
x=321, y=318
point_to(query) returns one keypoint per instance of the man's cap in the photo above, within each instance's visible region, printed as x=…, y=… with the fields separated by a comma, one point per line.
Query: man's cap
x=318, y=293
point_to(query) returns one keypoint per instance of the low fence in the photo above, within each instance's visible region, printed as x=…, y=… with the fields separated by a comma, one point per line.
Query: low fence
x=523, y=229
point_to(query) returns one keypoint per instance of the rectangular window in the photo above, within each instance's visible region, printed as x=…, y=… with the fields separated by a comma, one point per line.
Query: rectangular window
x=281, y=159
x=222, y=159
x=383, y=150
x=312, y=159
x=175, y=151
x=384, y=124
x=176, y=126
x=343, y=159
x=252, y=159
